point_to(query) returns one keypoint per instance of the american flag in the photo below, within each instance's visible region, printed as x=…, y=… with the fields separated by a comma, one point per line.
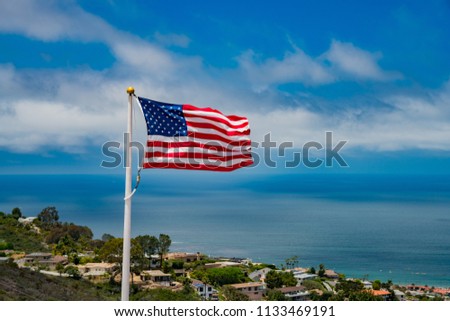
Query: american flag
x=188, y=137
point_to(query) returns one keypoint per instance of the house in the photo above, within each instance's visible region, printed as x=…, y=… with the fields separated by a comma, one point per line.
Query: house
x=52, y=262
x=259, y=275
x=331, y=274
x=181, y=256
x=302, y=276
x=157, y=276
x=44, y=260
x=179, y=272
x=35, y=258
x=26, y=220
x=400, y=295
x=206, y=291
x=381, y=293
x=442, y=291
x=254, y=290
x=367, y=284
x=295, y=293
x=96, y=270
x=221, y=264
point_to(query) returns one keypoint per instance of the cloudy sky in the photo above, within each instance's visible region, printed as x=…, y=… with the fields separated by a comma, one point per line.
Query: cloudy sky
x=376, y=74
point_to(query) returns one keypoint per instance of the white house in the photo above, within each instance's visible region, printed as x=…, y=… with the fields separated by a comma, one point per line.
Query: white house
x=157, y=276
x=206, y=291
x=302, y=276
x=295, y=293
x=96, y=270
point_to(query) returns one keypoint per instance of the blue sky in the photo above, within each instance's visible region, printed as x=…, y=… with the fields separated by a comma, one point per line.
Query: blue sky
x=376, y=74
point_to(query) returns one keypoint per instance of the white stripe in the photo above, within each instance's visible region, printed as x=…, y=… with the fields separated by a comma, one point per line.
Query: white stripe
x=238, y=151
x=184, y=139
x=208, y=131
x=214, y=114
x=217, y=124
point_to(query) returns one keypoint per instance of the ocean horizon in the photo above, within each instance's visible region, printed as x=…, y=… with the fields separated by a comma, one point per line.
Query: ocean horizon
x=387, y=227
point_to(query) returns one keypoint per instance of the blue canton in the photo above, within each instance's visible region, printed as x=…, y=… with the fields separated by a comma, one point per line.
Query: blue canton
x=163, y=119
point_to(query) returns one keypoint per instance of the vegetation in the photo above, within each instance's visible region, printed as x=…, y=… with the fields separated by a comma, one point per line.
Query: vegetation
x=220, y=276
x=275, y=279
x=164, y=295
x=23, y=284
x=19, y=237
x=231, y=294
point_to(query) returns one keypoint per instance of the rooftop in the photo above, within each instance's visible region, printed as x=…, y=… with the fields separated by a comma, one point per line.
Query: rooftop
x=155, y=273
x=246, y=285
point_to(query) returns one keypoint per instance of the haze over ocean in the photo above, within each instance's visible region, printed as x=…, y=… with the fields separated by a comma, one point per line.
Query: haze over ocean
x=384, y=226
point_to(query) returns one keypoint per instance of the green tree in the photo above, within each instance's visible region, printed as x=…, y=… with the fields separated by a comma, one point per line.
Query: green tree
x=387, y=285
x=164, y=243
x=292, y=262
x=222, y=276
x=312, y=270
x=276, y=295
x=73, y=272
x=137, y=259
x=347, y=289
x=112, y=250
x=149, y=244
x=376, y=285
x=66, y=246
x=16, y=213
x=48, y=216
x=59, y=268
x=275, y=279
x=321, y=272
x=106, y=237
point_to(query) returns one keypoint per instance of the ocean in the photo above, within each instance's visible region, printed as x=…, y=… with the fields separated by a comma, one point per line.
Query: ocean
x=387, y=227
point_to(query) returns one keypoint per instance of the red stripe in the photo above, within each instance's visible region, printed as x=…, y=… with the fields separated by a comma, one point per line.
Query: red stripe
x=197, y=156
x=213, y=137
x=208, y=109
x=219, y=129
x=211, y=147
x=213, y=119
x=199, y=166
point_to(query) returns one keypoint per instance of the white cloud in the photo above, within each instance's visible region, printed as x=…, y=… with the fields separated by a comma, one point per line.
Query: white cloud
x=295, y=67
x=356, y=63
x=45, y=20
x=69, y=109
x=342, y=61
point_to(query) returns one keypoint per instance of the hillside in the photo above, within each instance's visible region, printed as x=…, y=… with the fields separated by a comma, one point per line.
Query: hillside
x=20, y=237
x=22, y=284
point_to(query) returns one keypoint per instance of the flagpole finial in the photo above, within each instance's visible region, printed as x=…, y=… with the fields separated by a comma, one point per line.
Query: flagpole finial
x=130, y=90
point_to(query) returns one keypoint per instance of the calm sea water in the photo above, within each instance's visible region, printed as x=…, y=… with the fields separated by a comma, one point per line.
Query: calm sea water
x=382, y=227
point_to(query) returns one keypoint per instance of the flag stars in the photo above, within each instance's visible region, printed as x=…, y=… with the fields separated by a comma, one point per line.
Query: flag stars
x=163, y=119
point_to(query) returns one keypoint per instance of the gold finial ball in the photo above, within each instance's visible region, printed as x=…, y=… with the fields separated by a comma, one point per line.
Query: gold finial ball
x=130, y=90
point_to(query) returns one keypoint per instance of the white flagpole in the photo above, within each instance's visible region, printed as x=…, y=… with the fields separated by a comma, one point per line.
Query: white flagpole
x=127, y=210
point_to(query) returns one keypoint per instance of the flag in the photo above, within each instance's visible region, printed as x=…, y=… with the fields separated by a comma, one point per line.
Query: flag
x=188, y=137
